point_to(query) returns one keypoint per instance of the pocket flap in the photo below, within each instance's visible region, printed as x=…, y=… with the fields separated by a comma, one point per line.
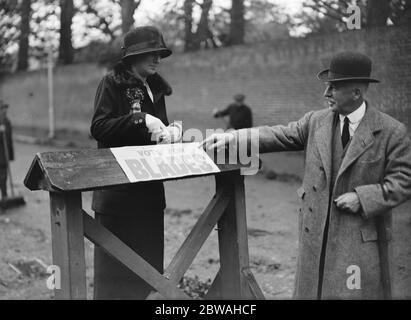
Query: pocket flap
x=301, y=192
x=369, y=233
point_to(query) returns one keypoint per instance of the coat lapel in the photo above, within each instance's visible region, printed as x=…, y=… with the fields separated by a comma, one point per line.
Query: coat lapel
x=362, y=139
x=323, y=138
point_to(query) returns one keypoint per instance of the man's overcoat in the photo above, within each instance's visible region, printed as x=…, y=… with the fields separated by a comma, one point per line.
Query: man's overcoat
x=376, y=165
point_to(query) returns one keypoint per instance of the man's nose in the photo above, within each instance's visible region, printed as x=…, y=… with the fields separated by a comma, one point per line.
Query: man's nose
x=327, y=92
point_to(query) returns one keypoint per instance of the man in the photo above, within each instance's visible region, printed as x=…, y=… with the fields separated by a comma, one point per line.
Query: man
x=239, y=113
x=357, y=168
x=6, y=147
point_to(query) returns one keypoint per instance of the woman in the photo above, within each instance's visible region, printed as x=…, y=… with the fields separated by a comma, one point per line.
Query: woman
x=129, y=110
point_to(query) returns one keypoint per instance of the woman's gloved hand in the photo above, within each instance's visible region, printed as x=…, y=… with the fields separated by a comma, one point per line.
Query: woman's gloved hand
x=154, y=124
x=158, y=130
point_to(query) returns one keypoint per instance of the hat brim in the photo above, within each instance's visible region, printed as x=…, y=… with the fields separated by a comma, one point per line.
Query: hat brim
x=324, y=76
x=164, y=52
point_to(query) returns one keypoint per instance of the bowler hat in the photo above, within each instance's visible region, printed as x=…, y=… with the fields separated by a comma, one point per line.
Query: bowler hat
x=144, y=40
x=347, y=66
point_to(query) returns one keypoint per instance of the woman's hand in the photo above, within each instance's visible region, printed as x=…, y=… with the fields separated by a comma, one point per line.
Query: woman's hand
x=154, y=124
x=158, y=130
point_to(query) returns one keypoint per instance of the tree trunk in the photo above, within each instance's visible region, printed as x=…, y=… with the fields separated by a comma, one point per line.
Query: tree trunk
x=128, y=7
x=237, y=25
x=23, y=55
x=188, y=25
x=66, y=53
x=378, y=12
x=203, y=32
x=406, y=14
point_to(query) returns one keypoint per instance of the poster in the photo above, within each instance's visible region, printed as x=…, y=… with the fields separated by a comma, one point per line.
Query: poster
x=164, y=161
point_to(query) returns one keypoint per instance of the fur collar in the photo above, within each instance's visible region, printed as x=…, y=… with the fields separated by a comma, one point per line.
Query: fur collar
x=125, y=79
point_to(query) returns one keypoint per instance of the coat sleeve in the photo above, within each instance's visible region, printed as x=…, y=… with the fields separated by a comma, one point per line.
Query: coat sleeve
x=292, y=137
x=107, y=125
x=395, y=187
x=222, y=113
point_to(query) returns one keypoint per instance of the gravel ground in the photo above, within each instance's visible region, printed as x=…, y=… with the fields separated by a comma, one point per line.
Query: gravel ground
x=271, y=215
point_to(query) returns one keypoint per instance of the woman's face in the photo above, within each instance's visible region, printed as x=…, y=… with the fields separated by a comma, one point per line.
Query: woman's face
x=146, y=64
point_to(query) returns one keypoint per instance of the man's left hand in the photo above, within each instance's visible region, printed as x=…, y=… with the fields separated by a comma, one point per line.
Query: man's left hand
x=348, y=202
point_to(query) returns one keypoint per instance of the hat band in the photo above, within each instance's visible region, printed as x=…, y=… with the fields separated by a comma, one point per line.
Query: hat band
x=143, y=45
x=341, y=76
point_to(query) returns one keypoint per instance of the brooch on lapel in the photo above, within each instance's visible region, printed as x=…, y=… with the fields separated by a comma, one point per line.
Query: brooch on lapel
x=135, y=96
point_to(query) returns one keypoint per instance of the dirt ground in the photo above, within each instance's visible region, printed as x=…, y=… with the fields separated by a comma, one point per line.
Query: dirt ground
x=271, y=215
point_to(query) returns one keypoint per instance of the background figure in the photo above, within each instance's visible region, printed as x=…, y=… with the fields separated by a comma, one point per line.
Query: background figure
x=240, y=115
x=5, y=130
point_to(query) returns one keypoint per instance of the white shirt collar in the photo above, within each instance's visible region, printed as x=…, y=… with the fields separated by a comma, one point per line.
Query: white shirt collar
x=150, y=93
x=355, y=116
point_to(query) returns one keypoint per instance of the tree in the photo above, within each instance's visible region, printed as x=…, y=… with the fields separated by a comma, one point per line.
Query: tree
x=9, y=31
x=377, y=13
x=98, y=20
x=203, y=36
x=188, y=25
x=66, y=53
x=237, y=25
x=400, y=12
x=374, y=13
x=128, y=7
x=23, y=54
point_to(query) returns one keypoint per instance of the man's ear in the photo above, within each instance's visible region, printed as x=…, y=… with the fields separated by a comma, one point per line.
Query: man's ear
x=357, y=93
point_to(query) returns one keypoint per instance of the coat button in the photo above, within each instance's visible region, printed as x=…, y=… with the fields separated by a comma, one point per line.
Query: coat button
x=306, y=230
x=322, y=168
x=310, y=209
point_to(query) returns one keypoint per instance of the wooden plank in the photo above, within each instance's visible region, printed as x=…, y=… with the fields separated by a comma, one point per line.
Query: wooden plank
x=84, y=170
x=198, y=235
x=102, y=237
x=36, y=178
x=214, y=292
x=232, y=234
x=253, y=285
x=68, y=244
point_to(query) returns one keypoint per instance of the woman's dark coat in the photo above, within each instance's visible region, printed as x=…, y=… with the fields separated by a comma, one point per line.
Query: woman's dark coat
x=114, y=126
x=133, y=213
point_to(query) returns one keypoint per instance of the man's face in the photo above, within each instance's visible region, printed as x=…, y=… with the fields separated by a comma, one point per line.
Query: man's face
x=146, y=64
x=340, y=97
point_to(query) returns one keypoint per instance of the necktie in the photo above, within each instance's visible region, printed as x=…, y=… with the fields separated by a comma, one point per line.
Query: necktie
x=345, y=137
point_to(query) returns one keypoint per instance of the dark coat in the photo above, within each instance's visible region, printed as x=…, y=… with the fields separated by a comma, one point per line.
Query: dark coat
x=240, y=115
x=114, y=126
x=133, y=213
x=377, y=165
x=9, y=141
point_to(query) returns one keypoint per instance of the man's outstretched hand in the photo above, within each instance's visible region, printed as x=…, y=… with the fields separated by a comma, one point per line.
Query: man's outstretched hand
x=218, y=141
